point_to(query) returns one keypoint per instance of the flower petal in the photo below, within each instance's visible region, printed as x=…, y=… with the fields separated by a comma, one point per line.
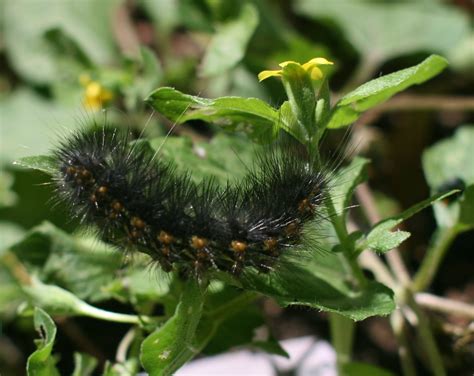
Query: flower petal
x=263, y=75
x=320, y=61
x=285, y=63
x=316, y=73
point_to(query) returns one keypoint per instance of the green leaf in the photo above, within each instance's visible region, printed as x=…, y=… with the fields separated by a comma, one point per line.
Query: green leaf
x=466, y=215
x=244, y=328
x=41, y=362
x=173, y=344
x=164, y=13
x=82, y=264
x=26, y=24
x=250, y=115
x=84, y=364
x=7, y=196
x=449, y=162
x=384, y=30
x=363, y=369
x=225, y=157
x=325, y=291
x=148, y=76
x=349, y=108
x=44, y=163
x=62, y=302
x=228, y=44
x=30, y=124
x=382, y=239
x=345, y=182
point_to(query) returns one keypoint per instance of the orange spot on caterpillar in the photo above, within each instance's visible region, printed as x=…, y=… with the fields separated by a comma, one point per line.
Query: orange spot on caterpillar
x=165, y=238
x=165, y=251
x=102, y=190
x=198, y=243
x=238, y=246
x=137, y=222
x=85, y=174
x=292, y=229
x=305, y=206
x=270, y=244
x=71, y=170
x=117, y=206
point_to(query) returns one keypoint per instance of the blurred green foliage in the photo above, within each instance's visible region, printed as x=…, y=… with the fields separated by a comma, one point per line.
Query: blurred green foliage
x=210, y=49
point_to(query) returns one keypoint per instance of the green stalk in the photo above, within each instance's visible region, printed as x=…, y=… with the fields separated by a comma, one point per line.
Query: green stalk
x=342, y=338
x=426, y=338
x=398, y=325
x=443, y=239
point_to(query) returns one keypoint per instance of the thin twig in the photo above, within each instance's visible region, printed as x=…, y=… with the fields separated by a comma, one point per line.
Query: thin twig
x=426, y=338
x=394, y=259
x=122, y=349
x=445, y=305
x=397, y=322
x=428, y=102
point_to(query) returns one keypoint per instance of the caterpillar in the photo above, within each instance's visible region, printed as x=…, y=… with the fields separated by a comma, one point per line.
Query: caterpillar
x=140, y=202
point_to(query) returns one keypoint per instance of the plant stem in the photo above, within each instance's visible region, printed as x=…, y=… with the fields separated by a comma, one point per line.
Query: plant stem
x=439, y=246
x=398, y=325
x=444, y=305
x=426, y=338
x=342, y=336
x=91, y=311
x=348, y=260
x=234, y=305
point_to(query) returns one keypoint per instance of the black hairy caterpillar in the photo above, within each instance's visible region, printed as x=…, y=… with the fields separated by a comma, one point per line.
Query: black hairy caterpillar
x=140, y=202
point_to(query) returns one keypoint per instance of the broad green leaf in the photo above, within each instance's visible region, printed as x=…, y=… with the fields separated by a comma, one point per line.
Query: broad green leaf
x=384, y=30
x=173, y=344
x=239, y=323
x=11, y=234
x=229, y=43
x=363, y=369
x=7, y=196
x=225, y=158
x=164, y=13
x=250, y=115
x=11, y=294
x=45, y=163
x=82, y=264
x=84, y=364
x=25, y=24
x=54, y=299
x=447, y=165
x=466, y=215
x=148, y=77
x=382, y=239
x=295, y=285
x=345, y=182
x=59, y=301
x=30, y=124
x=352, y=105
x=41, y=362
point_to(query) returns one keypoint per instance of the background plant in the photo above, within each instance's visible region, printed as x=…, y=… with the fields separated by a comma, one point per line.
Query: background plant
x=77, y=56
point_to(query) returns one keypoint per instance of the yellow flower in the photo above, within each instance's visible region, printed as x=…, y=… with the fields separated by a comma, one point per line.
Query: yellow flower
x=95, y=95
x=311, y=67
